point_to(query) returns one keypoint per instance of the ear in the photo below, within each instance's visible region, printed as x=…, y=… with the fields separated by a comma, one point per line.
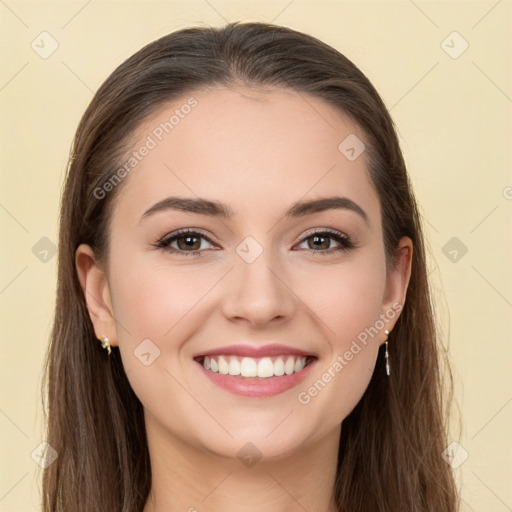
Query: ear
x=95, y=288
x=397, y=283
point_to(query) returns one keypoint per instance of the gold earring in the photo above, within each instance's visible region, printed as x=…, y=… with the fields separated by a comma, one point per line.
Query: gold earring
x=105, y=343
x=386, y=355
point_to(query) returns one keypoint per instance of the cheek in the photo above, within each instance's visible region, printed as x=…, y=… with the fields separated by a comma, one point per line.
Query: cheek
x=153, y=301
x=164, y=304
x=346, y=298
x=348, y=303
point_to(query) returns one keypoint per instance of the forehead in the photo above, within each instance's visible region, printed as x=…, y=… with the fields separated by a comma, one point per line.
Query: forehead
x=246, y=147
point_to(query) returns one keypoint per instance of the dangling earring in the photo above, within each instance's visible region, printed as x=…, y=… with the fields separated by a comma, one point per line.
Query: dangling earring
x=105, y=343
x=386, y=355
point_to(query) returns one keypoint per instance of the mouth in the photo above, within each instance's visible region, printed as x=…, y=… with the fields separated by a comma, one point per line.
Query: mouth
x=255, y=367
x=253, y=377
x=250, y=371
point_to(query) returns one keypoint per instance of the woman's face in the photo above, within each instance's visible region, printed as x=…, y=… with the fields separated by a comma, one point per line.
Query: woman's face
x=251, y=274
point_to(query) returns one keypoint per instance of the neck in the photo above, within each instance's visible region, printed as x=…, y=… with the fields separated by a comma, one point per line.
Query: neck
x=185, y=479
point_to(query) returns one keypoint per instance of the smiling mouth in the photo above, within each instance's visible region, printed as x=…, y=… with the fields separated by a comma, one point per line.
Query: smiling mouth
x=252, y=367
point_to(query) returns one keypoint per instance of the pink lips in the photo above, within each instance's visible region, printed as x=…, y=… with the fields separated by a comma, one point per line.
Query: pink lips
x=255, y=387
x=256, y=352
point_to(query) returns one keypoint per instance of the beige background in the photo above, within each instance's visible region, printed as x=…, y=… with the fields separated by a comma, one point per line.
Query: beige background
x=454, y=117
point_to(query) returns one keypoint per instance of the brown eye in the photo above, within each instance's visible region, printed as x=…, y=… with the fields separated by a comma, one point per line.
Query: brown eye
x=188, y=242
x=320, y=242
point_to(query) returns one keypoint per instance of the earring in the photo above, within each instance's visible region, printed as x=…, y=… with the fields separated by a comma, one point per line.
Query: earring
x=105, y=343
x=386, y=355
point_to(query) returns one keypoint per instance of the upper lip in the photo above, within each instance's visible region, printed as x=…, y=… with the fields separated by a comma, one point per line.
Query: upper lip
x=256, y=352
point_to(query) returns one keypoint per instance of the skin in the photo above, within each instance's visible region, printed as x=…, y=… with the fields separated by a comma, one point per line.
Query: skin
x=258, y=151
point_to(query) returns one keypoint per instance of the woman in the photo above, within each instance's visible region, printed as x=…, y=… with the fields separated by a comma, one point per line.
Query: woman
x=243, y=317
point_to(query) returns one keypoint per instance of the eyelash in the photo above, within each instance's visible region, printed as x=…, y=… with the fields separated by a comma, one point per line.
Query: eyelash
x=346, y=243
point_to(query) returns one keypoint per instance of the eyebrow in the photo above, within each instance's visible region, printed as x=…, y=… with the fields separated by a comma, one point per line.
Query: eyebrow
x=218, y=209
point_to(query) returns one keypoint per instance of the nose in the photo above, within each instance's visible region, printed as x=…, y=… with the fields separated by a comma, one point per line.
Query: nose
x=259, y=292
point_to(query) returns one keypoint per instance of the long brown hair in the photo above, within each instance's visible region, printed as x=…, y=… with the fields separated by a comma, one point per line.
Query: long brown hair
x=391, y=445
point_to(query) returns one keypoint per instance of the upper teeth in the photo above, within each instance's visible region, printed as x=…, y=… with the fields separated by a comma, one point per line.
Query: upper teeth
x=251, y=367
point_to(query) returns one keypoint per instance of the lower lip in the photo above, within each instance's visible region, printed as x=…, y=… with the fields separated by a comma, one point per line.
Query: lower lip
x=255, y=387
